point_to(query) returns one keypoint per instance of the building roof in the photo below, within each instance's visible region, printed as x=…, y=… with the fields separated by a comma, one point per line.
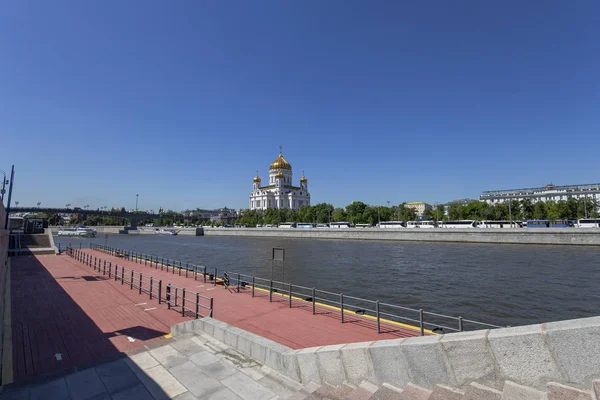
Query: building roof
x=544, y=188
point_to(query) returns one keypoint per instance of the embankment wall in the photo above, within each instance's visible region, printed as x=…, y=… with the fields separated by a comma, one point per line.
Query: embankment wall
x=533, y=355
x=4, y=236
x=552, y=236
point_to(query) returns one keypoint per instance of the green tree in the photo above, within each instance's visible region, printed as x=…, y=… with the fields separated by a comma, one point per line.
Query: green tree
x=339, y=215
x=540, y=211
x=454, y=211
x=527, y=209
x=552, y=210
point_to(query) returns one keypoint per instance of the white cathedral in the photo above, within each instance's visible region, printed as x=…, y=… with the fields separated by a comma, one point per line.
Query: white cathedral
x=280, y=192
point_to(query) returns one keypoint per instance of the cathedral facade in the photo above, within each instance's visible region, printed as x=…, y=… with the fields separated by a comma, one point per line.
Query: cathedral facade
x=280, y=191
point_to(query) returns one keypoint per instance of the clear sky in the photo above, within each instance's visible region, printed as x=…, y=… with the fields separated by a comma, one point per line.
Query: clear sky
x=182, y=101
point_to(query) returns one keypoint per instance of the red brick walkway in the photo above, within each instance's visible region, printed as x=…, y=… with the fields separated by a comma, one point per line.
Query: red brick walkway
x=295, y=327
x=60, y=306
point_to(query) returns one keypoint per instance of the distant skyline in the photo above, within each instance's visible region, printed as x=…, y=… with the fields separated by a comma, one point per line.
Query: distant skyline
x=182, y=102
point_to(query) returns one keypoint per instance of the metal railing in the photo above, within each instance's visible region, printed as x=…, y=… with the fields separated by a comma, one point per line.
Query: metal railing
x=146, y=284
x=319, y=301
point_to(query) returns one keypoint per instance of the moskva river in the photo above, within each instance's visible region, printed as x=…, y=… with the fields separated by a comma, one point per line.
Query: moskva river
x=498, y=284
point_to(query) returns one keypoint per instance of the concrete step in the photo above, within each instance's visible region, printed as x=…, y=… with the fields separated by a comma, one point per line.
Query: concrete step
x=514, y=391
x=387, y=392
x=442, y=392
x=414, y=392
x=557, y=391
x=477, y=391
x=330, y=392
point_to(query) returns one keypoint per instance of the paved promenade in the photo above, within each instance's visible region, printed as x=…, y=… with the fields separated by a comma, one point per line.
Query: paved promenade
x=186, y=368
x=294, y=327
x=64, y=314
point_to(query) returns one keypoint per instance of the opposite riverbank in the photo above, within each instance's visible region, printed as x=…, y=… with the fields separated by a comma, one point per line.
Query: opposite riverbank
x=548, y=236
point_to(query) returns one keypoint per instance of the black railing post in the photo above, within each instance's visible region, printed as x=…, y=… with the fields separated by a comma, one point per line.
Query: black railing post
x=460, y=323
x=313, y=301
x=195, y=272
x=150, y=292
x=122, y=275
x=116, y=272
x=342, y=306
x=140, y=289
x=187, y=269
x=205, y=274
x=168, y=296
x=159, y=291
x=421, y=318
x=271, y=291
x=131, y=280
x=290, y=295
x=104, y=269
x=211, y=313
x=378, y=316
x=197, y=304
x=109, y=269
x=252, y=285
x=215, y=278
x=183, y=302
x=238, y=282
x=176, y=288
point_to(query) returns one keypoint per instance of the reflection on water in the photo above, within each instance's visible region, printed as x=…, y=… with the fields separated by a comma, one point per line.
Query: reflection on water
x=499, y=284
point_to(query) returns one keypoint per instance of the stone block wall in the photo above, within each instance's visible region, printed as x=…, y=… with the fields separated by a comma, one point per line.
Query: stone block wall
x=533, y=356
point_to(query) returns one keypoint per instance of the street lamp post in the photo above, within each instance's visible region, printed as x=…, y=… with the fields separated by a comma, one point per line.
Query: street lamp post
x=136, y=202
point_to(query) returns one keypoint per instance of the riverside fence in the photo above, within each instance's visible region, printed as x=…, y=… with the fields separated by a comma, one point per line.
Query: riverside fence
x=318, y=300
x=192, y=304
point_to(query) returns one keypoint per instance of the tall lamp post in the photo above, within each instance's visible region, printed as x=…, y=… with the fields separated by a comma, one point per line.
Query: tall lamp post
x=136, y=202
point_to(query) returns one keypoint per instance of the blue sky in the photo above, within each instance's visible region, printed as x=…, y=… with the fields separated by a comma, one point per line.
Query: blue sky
x=183, y=101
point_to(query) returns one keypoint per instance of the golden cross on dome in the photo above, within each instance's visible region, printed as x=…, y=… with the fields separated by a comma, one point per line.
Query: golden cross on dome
x=280, y=150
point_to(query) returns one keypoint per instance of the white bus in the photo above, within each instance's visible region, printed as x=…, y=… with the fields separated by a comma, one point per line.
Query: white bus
x=499, y=224
x=392, y=224
x=363, y=225
x=588, y=223
x=287, y=225
x=421, y=224
x=340, y=225
x=468, y=223
x=305, y=225
x=322, y=225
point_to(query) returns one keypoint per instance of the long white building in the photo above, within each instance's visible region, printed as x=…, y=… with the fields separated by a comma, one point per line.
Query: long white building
x=546, y=193
x=280, y=191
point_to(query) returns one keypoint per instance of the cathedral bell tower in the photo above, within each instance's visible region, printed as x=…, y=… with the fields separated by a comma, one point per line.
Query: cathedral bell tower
x=256, y=182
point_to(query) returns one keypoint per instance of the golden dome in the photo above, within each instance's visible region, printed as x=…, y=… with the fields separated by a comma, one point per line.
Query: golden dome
x=279, y=174
x=303, y=179
x=257, y=178
x=280, y=162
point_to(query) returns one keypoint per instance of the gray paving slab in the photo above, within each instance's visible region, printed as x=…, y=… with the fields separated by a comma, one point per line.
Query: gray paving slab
x=186, y=396
x=199, y=384
x=280, y=386
x=85, y=384
x=53, y=390
x=204, y=358
x=247, y=388
x=160, y=383
x=219, y=370
x=187, y=347
x=18, y=394
x=117, y=376
x=141, y=361
x=223, y=394
x=138, y=392
x=167, y=356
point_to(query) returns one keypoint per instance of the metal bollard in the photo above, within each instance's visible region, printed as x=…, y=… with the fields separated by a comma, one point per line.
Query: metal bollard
x=460, y=323
x=168, y=296
x=197, y=304
x=421, y=322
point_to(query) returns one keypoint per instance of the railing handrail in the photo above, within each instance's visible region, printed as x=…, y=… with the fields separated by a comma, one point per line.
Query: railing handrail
x=279, y=287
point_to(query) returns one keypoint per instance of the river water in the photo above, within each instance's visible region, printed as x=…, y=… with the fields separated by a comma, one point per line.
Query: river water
x=497, y=284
